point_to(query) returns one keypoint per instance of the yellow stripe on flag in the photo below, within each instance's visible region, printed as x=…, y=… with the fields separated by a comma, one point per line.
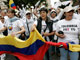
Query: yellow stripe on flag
x=9, y=40
x=74, y=48
x=10, y=2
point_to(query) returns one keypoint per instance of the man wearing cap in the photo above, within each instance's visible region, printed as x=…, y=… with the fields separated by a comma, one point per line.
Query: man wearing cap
x=55, y=16
x=70, y=27
x=28, y=22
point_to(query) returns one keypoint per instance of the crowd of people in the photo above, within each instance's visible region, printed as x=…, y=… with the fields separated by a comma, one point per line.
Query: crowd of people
x=56, y=25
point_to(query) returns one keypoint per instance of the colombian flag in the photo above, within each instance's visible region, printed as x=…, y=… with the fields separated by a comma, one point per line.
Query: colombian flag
x=32, y=49
x=11, y=4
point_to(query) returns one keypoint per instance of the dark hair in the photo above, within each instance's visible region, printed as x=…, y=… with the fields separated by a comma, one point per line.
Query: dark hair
x=49, y=9
x=12, y=10
x=63, y=16
x=43, y=9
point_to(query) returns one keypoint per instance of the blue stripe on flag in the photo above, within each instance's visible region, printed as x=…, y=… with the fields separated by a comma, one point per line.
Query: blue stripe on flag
x=32, y=49
x=12, y=5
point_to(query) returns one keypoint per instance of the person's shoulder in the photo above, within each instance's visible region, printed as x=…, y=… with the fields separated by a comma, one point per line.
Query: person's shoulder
x=76, y=20
x=61, y=20
x=75, y=14
x=18, y=22
x=0, y=22
x=32, y=19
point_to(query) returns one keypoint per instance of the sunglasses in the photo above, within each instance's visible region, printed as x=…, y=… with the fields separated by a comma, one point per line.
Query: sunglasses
x=53, y=12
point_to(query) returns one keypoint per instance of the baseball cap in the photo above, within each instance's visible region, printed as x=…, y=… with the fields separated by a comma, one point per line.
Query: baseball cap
x=53, y=10
x=69, y=8
x=28, y=11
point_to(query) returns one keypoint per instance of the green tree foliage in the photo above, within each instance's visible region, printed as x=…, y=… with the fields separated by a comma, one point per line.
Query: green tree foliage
x=25, y=2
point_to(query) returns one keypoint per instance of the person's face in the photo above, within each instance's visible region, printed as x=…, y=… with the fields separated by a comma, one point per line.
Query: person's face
x=2, y=18
x=79, y=11
x=43, y=15
x=69, y=14
x=10, y=15
x=3, y=14
x=53, y=14
x=28, y=15
x=17, y=7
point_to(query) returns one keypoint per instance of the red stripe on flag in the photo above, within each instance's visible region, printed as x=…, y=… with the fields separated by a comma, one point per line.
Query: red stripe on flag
x=14, y=7
x=38, y=56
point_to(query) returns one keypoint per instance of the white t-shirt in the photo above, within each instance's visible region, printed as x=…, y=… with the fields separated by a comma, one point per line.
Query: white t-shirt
x=54, y=26
x=70, y=28
x=76, y=16
x=43, y=28
x=30, y=24
x=6, y=17
x=34, y=17
x=14, y=26
x=1, y=26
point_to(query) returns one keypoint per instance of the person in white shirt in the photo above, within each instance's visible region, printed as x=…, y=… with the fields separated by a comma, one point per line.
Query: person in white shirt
x=45, y=27
x=13, y=24
x=4, y=14
x=2, y=24
x=55, y=16
x=28, y=23
x=70, y=28
x=78, y=14
x=79, y=10
x=43, y=21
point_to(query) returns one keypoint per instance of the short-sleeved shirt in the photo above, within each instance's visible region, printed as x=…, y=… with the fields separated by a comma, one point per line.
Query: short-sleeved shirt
x=30, y=24
x=1, y=26
x=70, y=28
x=43, y=26
x=14, y=26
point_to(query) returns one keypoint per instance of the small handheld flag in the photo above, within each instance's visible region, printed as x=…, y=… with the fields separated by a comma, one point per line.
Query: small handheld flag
x=11, y=4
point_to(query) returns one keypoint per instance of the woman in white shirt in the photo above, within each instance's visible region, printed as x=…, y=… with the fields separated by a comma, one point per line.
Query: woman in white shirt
x=15, y=28
x=14, y=25
x=45, y=27
x=2, y=24
x=70, y=28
